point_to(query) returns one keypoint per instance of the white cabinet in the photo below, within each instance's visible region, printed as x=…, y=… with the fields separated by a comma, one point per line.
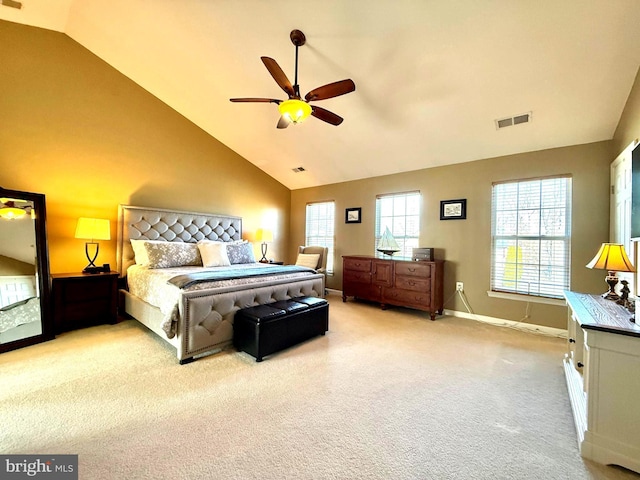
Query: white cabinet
x=602, y=368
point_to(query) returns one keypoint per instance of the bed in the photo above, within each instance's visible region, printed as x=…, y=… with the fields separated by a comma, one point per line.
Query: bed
x=20, y=320
x=170, y=291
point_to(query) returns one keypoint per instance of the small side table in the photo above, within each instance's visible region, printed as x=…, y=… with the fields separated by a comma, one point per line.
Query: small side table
x=84, y=300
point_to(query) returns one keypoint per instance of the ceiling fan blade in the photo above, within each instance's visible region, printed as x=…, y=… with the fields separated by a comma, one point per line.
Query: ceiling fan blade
x=279, y=76
x=260, y=100
x=326, y=115
x=283, y=122
x=331, y=90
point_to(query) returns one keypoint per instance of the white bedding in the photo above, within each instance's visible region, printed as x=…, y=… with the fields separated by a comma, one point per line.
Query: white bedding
x=151, y=285
x=20, y=313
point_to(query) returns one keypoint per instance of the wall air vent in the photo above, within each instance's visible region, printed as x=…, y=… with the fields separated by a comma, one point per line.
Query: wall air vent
x=515, y=120
x=298, y=169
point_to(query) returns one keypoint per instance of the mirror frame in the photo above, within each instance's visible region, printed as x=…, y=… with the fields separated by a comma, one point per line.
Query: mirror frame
x=42, y=252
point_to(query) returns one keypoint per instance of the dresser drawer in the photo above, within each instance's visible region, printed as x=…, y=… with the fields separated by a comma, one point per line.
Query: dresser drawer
x=416, y=269
x=406, y=297
x=72, y=291
x=357, y=277
x=413, y=283
x=356, y=264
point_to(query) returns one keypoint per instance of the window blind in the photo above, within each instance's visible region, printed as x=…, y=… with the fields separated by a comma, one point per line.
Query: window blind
x=320, y=228
x=400, y=212
x=531, y=236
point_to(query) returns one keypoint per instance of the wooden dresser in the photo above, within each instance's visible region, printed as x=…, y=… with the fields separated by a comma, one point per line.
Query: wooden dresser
x=398, y=281
x=602, y=369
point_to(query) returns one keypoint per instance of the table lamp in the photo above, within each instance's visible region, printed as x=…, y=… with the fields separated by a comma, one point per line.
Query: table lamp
x=93, y=229
x=264, y=235
x=613, y=258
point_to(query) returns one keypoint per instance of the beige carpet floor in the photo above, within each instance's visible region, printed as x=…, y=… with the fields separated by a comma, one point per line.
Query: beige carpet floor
x=384, y=395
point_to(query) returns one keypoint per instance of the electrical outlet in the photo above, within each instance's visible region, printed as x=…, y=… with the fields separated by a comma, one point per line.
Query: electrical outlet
x=459, y=287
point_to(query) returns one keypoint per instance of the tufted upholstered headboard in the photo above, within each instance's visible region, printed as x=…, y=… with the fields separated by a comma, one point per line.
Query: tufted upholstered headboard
x=146, y=223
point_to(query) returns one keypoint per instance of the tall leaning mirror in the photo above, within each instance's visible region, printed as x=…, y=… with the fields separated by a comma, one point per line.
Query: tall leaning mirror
x=25, y=317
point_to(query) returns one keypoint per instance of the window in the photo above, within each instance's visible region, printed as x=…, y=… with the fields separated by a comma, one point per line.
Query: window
x=400, y=213
x=319, y=229
x=531, y=236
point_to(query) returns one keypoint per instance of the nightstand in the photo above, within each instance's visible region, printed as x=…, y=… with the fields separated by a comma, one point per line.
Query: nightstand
x=83, y=300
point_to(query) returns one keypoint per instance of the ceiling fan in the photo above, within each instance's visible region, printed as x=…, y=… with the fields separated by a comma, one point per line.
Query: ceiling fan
x=11, y=208
x=295, y=109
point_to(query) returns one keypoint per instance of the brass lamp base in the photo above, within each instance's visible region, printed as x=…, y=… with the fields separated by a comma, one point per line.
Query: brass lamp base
x=612, y=280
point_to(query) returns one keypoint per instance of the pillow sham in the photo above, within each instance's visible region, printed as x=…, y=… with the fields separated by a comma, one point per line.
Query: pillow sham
x=240, y=253
x=309, y=260
x=139, y=251
x=214, y=254
x=172, y=254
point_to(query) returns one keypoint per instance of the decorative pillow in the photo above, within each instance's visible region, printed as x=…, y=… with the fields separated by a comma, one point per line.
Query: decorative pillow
x=140, y=252
x=214, y=254
x=240, y=253
x=172, y=254
x=309, y=260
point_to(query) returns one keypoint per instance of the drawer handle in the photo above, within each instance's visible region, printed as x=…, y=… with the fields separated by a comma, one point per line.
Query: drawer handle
x=411, y=269
x=580, y=364
x=571, y=340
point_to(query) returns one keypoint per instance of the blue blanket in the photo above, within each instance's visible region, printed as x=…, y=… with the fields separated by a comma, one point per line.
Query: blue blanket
x=186, y=280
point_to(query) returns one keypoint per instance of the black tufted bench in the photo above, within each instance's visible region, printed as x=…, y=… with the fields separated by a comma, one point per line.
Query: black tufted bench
x=266, y=329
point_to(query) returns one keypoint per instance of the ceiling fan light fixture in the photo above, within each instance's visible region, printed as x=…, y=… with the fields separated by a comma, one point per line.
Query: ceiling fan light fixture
x=295, y=110
x=12, y=212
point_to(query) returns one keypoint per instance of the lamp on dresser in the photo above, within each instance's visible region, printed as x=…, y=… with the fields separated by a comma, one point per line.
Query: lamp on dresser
x=93, y=229
x=613, y=258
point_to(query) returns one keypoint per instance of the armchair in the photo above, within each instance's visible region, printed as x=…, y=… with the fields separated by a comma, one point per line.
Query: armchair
x=322, y=252
x=321, y=266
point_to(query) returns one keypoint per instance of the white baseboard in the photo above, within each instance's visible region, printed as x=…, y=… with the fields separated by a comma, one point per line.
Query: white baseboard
x=501, y=322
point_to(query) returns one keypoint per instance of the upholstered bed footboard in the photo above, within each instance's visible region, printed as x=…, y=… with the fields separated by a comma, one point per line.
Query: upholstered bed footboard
x=206, y=317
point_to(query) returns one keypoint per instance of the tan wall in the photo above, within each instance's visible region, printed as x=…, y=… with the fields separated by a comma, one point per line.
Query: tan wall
x=89, y=138
x=466, y=244
x=11, y=266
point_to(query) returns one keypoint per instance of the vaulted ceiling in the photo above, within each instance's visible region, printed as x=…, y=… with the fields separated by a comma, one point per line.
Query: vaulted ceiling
x=432, y=77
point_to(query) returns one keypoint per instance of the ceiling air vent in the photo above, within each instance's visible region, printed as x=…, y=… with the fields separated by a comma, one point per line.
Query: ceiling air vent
x=515, y=120
x=12, y=4
x=298, y=169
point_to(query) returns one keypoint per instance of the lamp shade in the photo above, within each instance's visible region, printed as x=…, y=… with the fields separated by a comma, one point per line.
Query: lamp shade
x=93, y=229
x=295, y=110
x=264, y=235
x=12, y=212
x=613, y=257
x=10, y=208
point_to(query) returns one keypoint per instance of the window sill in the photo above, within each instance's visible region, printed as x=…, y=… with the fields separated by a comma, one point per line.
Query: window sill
x=527, y=298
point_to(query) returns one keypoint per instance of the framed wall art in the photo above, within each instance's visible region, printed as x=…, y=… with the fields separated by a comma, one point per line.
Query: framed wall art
x=453, y=209
x=353, y=215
